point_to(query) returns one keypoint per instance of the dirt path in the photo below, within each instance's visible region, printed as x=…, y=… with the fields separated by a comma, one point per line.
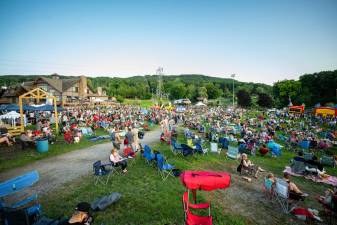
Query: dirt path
x=61, y=169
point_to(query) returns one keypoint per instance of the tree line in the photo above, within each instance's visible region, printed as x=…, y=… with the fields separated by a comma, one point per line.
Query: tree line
x=309, y=89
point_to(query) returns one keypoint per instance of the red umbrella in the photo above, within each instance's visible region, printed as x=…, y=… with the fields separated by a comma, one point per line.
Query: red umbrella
x=204, y=180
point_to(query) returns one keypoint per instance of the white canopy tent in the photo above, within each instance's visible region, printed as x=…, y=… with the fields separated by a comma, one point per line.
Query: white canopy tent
x=12, y=116
x=200, y=104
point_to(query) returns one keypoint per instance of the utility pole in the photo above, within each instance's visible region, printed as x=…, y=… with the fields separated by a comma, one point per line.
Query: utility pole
x=232, y=76
x=159, y=73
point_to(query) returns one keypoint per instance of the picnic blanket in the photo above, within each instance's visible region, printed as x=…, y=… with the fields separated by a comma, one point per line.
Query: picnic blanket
x=331, y=180
x=98, y=138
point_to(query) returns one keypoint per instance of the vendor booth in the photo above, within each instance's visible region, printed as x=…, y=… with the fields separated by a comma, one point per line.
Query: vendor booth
x=325, y=111
x=296, y=109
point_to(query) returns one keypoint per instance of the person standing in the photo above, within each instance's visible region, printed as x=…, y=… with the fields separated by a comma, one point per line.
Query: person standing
x=135, y=145
x=129, y=137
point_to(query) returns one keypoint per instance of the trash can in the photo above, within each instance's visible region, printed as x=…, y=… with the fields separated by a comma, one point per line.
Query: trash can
x=42, y=145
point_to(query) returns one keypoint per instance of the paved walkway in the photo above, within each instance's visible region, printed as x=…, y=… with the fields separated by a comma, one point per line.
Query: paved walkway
x=58, y=170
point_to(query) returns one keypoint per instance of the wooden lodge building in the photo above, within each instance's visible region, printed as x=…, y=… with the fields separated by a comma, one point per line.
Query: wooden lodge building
x=67, y=91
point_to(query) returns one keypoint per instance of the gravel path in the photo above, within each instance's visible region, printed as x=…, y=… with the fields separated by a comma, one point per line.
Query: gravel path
x=58, y=170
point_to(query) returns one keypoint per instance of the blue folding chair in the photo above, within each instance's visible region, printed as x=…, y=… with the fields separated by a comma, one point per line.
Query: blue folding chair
x=187, y=150
x=200, y=149
x=20, y=211
x=101, y=172
x=165, y=169
x=305, y=144
x=175, y=147
x=233, y=152
x=243, y=148
x=223, y=142
x=148, y=155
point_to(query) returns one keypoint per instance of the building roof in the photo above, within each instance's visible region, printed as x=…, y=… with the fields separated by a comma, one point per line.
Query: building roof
x=27, y=85
x=67, y=83
x=55, y=83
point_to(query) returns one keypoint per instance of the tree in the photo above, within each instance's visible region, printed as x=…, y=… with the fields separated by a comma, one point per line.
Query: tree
x=177, y=90
x=213, y=91
x=191, y=92
x=265, y=100
x=244, y=98
x=287, y=89
x=202, y=92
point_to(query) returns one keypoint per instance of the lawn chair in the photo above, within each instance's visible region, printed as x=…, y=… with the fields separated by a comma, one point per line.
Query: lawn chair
x=165, y=169
x=187, y=150
x=175, y=147
x=298, y=167
x=223, y=142
x=100, y=172
x=243, y=149
x=328, y=161
x=305, y=144
x=200, y=149
x=308, y=156
x=214, y=148
x=282, y=196
x=233, y=152
x=192, y=219
x=282, y=138
x=21, y=211
x=148, y=155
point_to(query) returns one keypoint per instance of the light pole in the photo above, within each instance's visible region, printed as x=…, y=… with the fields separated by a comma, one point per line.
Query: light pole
x=232, y=76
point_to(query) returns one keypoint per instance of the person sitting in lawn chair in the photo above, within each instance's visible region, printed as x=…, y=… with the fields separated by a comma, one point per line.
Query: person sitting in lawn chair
x=5, y=140
x=294, y=192
x=26, y=141
x=248, y=166
x=117, y=160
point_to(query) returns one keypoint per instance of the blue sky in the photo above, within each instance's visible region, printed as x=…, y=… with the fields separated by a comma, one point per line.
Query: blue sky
x=260, y=41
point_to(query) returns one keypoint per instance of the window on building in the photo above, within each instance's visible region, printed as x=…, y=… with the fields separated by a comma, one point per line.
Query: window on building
x=43, y=87
x=75, y=89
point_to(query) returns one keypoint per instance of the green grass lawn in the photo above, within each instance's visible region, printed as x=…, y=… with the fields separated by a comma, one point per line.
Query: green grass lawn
x=144, y=103
x=13, y=158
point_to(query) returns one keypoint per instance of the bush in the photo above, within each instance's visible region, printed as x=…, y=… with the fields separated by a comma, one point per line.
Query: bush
x=120, y=98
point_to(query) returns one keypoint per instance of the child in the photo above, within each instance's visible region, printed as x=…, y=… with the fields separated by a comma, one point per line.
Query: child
x=269, y=182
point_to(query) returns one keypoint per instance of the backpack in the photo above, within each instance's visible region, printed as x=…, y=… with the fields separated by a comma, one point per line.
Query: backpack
x=239, y=167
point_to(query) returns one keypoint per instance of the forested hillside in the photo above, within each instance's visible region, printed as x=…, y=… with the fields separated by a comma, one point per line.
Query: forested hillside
x=309, y=89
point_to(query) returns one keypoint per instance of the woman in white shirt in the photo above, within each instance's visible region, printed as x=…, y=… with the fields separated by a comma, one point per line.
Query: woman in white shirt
x=117, y=160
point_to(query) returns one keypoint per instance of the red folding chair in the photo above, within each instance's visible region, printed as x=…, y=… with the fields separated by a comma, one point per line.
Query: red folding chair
x=192, y=219
x=68, y=137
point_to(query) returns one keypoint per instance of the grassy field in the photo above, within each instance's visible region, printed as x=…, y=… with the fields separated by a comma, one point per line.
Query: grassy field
x=144, y=103
x=146, y=199
x=15, y=157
